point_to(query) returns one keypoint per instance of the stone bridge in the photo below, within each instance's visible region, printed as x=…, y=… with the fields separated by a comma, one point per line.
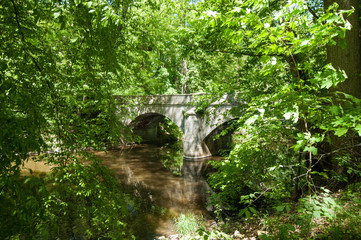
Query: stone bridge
x=196, y=115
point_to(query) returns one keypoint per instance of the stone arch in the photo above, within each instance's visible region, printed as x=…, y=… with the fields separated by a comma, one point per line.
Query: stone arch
x=172, y=113
x=223, y=143
x=146, y=125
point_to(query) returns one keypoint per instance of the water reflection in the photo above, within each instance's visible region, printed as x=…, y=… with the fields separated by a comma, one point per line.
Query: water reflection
x=141, y=167
x=171, y=157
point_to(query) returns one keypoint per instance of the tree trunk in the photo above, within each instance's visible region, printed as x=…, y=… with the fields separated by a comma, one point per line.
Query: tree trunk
x=184, y=73
x=349, y=58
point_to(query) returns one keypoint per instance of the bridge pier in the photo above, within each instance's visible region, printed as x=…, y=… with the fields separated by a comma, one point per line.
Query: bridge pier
x=193, y=144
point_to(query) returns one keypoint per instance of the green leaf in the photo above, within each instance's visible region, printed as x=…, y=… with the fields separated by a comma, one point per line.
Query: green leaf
x=242, y=211
x=334, y=109
x=74, y=39
x=247, y=213
x=358, y=129
x=341, y=131
x=280, y=208
x=311, y=149
x=323, y=174
x=327, y=83
x=57, y=14
x=254, y=211
x=316, y=214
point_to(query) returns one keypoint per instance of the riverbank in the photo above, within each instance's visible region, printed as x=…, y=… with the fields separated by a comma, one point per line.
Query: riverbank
x=323, y=216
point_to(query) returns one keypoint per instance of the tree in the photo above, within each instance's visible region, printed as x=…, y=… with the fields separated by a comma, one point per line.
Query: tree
x=346, y=55
x=287, y=124
x=59, y=64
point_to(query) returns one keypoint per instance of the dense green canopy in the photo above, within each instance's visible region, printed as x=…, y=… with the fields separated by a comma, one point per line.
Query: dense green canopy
x=296, y=62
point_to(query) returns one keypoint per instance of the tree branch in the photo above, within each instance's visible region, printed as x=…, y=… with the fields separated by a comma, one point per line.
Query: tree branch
x=264, y=191
x=245, y=53
x=23, y=36
x=312, y=12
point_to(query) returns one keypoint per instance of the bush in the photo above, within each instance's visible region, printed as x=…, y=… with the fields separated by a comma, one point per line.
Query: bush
x=260, y=168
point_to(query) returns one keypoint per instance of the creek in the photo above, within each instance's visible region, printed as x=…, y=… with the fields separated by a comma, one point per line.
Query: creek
x=164, y=184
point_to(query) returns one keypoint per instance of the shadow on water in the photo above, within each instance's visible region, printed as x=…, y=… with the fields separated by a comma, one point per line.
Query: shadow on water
x=164, y=186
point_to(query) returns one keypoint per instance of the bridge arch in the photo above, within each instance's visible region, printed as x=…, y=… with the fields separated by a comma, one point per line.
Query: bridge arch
x=220, y=138
x=151, y=130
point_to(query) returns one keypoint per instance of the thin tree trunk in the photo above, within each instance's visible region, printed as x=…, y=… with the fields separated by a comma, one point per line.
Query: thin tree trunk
x=184, y=73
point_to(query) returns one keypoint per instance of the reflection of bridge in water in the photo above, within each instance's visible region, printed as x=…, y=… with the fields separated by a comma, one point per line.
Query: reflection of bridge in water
x=198, y=125
x=140, y=170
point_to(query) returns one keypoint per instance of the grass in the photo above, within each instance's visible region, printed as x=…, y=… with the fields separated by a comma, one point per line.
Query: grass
x=188, y=223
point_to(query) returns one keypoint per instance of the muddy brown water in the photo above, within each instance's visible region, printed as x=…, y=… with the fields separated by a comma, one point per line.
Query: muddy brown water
x=142, y=167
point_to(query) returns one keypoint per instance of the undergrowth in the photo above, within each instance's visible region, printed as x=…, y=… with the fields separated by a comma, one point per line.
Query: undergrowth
x=324, y=215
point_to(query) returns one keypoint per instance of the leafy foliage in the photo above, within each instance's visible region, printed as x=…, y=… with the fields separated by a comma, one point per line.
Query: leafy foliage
x=58, y=67
x=292, y=112
x=74, y=200
x=62, y=61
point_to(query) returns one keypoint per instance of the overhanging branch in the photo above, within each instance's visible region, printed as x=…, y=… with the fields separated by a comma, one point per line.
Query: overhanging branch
x=243, y=53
